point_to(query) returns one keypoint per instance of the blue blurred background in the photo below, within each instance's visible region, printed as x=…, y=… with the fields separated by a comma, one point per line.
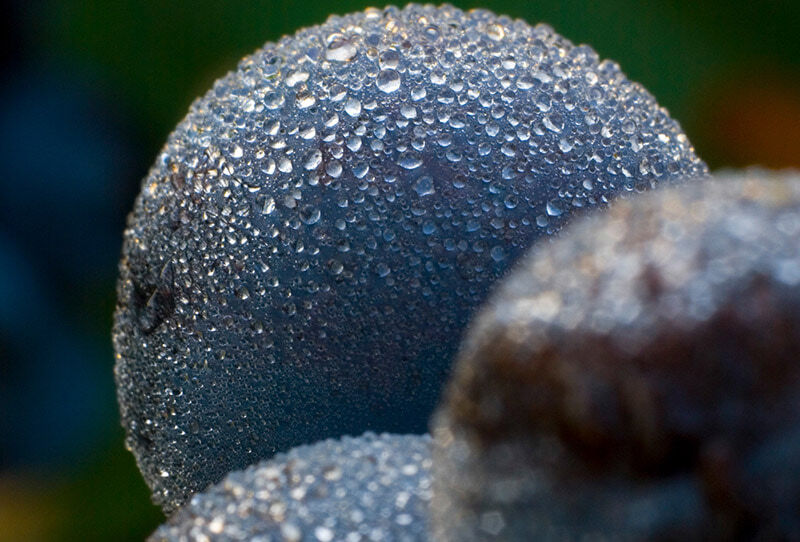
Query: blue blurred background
x=90, y=91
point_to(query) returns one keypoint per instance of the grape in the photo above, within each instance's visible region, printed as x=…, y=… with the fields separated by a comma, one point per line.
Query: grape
x=636, y=379
x=316, y=233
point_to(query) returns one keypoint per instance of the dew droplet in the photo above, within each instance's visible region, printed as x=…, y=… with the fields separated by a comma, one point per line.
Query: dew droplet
x=382, y=269
x=309, y=214
x=408, y=111
x=554, y=208
x=553, y=122
x=424, y=186
x=296, y=77
x=388, y=81
x=409, y=160
x=495, y=32
x=269, y=205
x=389, y=59
x=305, y=99
x=335, y=267
x=313, y=160
x=497, y=253
x=334, y=168
x=273, y=100
x=340, y=49
x=285, y=165
x=352, y=107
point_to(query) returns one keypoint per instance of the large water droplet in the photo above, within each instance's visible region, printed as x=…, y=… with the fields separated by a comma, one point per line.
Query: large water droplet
x=340, y=49
x=389, y=59
x=388, y=81
x=352, y=107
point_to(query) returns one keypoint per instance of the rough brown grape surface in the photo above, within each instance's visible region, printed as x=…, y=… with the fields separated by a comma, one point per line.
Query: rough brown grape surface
x=637, y=379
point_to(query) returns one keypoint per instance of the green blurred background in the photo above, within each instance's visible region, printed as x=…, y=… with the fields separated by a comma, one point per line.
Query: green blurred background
x=90, y=91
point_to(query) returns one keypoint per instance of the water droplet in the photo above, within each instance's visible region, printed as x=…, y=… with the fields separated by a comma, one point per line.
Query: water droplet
x=525, y=82
x=269, y=205
x=438, y=77
x=335, y=267
x=382, y=269
x=332, y=121
x=352, y=107
x=305, y=99
x=419, y=93
x=554, y=208
x=409, y=160
x=388, y=81
x=360, y=170
x=285, y=165
x=334, y=168
x=308, y=133
x=296, y=77
x=353, y=143
x=313, y=160
x=389, y=59
x=495, y=32
x=273, y=100
x=424, y=186
x=243, y=293
x=309, y=214
x=323, y=534
x=431, y=32
x=553, y=122
x=408, y=111
x=340, y=49
x=498, y=254
x=644, y=166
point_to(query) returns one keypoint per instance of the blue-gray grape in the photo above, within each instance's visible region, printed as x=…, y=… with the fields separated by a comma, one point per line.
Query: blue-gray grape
x=312, y=239
x=374, y=487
